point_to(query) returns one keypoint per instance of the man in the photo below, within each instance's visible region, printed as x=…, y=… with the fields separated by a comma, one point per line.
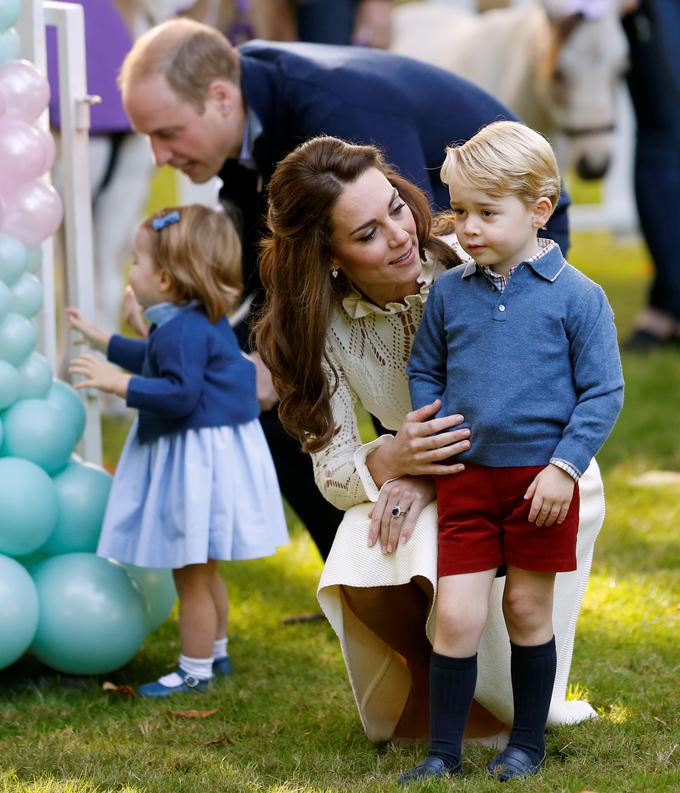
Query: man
x=209, y=109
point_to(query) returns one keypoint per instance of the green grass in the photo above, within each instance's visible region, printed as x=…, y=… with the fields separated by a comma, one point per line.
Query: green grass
x=286, y=720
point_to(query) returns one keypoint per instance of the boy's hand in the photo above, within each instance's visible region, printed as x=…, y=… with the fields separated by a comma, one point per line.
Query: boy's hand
x=99, y=374
x=551, y=493
x=91, y=334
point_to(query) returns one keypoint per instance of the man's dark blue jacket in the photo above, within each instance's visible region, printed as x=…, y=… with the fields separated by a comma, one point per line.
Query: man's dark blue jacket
x=411, y=110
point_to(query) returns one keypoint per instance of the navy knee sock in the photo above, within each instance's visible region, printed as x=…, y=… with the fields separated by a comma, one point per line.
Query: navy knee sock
x=452, y=687
x=533, y=676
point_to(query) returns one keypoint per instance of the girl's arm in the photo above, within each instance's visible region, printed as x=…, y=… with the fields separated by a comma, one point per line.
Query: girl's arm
x=100, y=374
x=92, y=335
x=180, y=355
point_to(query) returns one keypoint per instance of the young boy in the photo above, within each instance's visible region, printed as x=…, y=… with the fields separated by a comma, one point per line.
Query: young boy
x=524, y=346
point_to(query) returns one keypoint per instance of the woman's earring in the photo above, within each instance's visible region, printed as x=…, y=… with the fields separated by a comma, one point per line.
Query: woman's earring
x=334, y=271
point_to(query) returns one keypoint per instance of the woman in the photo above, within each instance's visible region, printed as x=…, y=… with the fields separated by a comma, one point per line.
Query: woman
x=347, y=270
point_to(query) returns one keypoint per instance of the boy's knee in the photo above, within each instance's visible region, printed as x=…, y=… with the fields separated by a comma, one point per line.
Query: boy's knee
x=525, y=610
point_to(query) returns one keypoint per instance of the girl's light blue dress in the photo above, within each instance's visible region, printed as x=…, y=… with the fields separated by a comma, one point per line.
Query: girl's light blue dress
x=210, y=493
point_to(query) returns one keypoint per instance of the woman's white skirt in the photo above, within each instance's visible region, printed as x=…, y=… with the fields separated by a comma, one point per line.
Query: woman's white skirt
x=210, y=493
x=378, y=675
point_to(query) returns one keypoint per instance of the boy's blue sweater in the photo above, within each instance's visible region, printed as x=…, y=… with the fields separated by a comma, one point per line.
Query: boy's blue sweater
x=535, y=369
x=193, y=375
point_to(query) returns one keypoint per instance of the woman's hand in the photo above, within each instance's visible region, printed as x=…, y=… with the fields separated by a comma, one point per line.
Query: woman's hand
x=550, y=493
x=411, y=494
x=91, y=334
x=420, y=446
x=99, y=374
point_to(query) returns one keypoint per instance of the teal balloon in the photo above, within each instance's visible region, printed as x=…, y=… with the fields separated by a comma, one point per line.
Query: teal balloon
x=83, y=492
x=35, y=377
x=29, y=507
x=158, y=587
x=34, y=257
x=9, y=384
x=27, y=296
x=67, y=399
x=39, y=431
x=17, y=338
x=13, y=259
x=18, y=611
x=92, y=617
x=31, y=560
x=9, y=13
x=10, y=45
x=5, y=296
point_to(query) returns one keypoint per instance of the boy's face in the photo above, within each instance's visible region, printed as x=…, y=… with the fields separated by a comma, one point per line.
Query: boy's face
x=496, y=232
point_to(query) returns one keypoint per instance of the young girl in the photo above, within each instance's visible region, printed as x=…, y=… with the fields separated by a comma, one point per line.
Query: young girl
x=195, y=482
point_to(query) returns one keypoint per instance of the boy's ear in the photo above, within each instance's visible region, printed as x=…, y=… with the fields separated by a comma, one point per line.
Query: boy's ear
x=543, y=209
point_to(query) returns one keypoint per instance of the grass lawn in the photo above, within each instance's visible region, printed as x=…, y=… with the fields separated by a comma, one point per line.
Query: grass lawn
x=286, y=720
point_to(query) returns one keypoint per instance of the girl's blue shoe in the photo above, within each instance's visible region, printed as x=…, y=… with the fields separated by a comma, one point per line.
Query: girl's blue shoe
x=188, y=684
x=222, y=666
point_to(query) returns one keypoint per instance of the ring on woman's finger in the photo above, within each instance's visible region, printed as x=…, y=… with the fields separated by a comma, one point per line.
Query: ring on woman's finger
x=397, y=511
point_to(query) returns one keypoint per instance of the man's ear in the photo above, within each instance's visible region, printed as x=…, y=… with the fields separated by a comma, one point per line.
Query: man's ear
x=224, y=94
x=543, y=209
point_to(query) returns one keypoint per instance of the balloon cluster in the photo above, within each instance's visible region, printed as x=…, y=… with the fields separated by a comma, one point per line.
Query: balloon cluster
x=76, y=612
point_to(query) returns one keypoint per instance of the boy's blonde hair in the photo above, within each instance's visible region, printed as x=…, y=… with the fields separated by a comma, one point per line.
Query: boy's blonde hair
x=201, y=255
x=189, y=54
x=506, y=158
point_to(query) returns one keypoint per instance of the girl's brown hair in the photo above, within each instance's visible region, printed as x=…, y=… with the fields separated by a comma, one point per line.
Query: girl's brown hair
x=295, y=271
x=201, y=255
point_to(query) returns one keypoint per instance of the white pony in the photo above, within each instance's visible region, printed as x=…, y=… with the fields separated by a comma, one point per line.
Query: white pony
x=556, y=63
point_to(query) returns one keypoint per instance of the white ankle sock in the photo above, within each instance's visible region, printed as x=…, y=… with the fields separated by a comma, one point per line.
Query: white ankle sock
x=200, y=668
x=220, y=647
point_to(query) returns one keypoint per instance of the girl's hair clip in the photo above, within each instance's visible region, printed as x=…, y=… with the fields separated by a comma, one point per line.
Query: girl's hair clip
x=166, y=220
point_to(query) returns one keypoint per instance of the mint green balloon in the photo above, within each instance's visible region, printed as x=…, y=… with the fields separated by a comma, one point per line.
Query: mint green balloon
x=68, y=400
x=39, y=431
x=17, y=338
x=92, y=617
x=13, y=259
x=34, y=258
x=83, y=492
x=5, y=295
x=35, y=377
x=18, y=611
x=29, y=507
x=27, y=296
x=9, y=13
x=158, y=587
x=9, y=384
x=10, y=45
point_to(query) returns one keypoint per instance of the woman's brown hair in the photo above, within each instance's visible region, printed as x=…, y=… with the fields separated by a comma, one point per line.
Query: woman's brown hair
x=201, y=255
x=295, y=271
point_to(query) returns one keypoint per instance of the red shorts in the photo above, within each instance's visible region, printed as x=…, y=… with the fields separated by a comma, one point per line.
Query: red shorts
x=483, y=523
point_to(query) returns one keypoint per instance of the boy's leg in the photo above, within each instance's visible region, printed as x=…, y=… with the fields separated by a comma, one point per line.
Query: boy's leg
x=527, y=606
x=462, y=603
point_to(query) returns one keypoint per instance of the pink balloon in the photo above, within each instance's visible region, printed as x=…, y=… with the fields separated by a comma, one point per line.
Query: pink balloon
x=33, y=212
x=25, y=152
x=23, y=89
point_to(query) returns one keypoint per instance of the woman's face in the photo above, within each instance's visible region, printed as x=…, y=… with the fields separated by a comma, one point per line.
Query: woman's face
x=374, y=239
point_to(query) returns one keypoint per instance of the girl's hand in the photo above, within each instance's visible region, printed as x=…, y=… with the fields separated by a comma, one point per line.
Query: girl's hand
x=417, y=449
x=133, y=313
x=551, y=493
x=99, y=374
x=411, y=494
x=94, y=336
